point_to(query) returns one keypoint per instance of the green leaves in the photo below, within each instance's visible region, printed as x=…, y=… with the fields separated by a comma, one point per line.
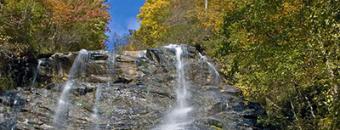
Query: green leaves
x=54, y=25
x=29, y=28
x=283, y=54
x=282, y=49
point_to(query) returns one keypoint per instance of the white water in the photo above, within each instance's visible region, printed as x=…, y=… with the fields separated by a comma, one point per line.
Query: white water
x=36, y=73
x=60, y=117
x=15, y=111
x=111, y=62
x=178, y=118
x=95, y=115
x=211, y=68
x=60, y=70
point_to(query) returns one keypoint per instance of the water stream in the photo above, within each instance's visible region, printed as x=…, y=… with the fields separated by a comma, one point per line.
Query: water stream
x=211, y=68
x=36, y=73
x=17, y=106
x=60, y=117
x=95, y=115
x=96, y=108
x=178, y=118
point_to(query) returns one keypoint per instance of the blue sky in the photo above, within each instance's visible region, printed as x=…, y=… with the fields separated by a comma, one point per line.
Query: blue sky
x=123, y=17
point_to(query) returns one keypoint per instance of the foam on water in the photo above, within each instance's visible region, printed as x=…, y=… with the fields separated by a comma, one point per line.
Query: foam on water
x=178, y=118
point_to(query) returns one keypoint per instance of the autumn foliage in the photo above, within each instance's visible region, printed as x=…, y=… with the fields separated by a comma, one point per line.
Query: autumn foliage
x=47, y=26
x=29, y=28
x=282, y=54
x=64, y=12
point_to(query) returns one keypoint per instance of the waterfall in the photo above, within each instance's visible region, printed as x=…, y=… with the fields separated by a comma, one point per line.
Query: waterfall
x=178, y=118
x=17, y=106
x=15, y=111
x=60, y=116
x=95, y=114
x=60, y=70
x=36, y=73
x=211, y=68
x=111, y=62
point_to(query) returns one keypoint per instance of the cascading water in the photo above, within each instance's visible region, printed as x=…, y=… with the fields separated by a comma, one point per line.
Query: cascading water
x=111, y=62
x=95, y=115
x=60, y=70
x=178, y=118
x=60, y=116
x=17, y=106
x=36, y=73
x=211, y=68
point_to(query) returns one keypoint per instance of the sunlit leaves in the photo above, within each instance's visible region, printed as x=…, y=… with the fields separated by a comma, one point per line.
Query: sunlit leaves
x=64, y=11
x=152, y=16
x=48, y=26
x=281, y=49
x=283, y=54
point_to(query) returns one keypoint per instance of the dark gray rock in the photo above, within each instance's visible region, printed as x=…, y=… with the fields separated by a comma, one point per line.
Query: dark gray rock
x=136, y=93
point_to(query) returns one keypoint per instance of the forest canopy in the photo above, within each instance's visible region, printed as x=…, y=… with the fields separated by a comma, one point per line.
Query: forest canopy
x=48, y=26
x=32, y=28
x=282, y=54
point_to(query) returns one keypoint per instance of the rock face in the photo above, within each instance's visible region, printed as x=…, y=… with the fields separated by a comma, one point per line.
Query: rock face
x=137, y=91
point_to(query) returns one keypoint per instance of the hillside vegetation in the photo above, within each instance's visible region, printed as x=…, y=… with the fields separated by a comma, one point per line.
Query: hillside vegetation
x=282, y=54
x=30, y=28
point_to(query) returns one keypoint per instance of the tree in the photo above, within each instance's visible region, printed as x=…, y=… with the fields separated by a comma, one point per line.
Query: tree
x=29, y=28
x=282, y=54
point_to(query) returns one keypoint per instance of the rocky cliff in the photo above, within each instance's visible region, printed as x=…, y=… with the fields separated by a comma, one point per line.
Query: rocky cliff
x=137, y=89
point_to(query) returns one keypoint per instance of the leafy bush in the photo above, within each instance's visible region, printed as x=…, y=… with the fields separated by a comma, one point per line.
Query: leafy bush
x=6, y=83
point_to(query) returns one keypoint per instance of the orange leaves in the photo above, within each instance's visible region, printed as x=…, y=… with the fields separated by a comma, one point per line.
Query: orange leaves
x=48, y=26
x=64, y=12
x=61, y=12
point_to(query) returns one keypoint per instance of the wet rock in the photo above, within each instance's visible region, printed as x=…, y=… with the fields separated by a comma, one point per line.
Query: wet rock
x=137, y=92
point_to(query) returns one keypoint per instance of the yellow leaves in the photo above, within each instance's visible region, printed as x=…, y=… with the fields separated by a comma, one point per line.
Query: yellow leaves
x=242, y=37
x=153, y=10
x=288, y=8
x=325, y=123
x=291, y=7
x=212, y=18
x=152, y=16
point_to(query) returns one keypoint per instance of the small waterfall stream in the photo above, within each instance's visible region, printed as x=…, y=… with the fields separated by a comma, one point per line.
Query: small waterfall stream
x=169, y=88
x=17, y=104
x=36, y=73
x=211, y=68
x=95, y=116
x=60, y=117
x=178, y=118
